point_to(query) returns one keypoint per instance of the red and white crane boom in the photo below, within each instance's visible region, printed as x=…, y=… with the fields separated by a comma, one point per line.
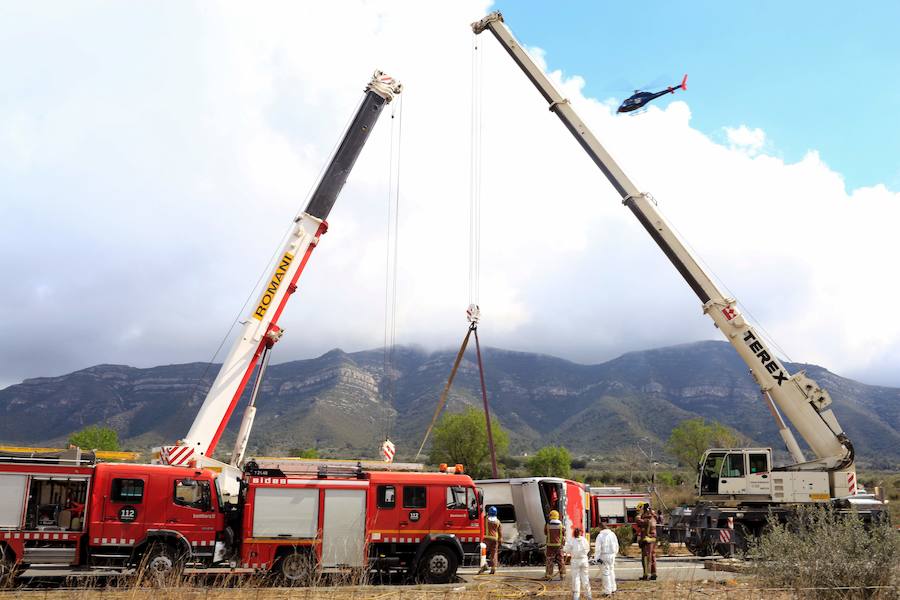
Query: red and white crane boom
x=261, y=329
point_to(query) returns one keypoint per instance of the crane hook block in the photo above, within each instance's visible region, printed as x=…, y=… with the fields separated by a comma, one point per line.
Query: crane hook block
x=473, y=314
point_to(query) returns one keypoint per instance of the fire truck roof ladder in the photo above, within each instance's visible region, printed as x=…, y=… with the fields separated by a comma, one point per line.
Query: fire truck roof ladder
x=72, y=457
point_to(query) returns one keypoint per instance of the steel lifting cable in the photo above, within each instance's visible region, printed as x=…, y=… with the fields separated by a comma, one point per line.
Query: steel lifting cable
x=475, y=170
x=390, y=270
x=446, y=391
x=473, y=312
x=477, y=166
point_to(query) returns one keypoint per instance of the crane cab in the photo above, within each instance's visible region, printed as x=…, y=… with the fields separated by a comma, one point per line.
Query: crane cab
x=748, y=475
x=730, y=472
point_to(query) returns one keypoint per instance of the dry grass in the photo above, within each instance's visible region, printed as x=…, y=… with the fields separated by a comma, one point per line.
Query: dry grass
x=499, y=587
x=512, y=589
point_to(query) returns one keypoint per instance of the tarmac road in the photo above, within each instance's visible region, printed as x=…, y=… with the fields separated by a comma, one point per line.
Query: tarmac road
x=682, y=568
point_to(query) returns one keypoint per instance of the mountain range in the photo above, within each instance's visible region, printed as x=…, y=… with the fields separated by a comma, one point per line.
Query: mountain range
x=345, y=403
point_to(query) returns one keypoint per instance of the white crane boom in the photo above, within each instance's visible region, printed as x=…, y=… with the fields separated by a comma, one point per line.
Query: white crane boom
x=261, y=331
x=800, y=399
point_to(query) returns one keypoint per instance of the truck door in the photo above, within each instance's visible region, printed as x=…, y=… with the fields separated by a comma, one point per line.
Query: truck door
x=758, y=480
x=190, y=509
x=414, y=511
x=455, y=516
x=709, y=474
x=733, y=477
x=124, y=512
x=386, y=518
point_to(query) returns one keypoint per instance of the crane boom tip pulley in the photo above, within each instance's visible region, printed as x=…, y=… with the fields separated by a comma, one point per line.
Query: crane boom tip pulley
x=384, y=85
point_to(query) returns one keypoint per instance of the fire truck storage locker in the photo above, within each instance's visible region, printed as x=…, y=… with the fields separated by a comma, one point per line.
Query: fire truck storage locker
x=286, y=512
x=12, y=500
x=344, y=528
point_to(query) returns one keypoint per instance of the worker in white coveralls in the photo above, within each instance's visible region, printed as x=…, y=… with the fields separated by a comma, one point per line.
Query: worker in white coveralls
x=578, y=548
x=606, y=547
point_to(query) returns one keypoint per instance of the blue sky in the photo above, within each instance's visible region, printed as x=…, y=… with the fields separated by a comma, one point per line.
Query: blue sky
x=813, y=75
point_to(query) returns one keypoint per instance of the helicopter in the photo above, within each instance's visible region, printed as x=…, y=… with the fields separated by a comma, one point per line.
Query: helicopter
x=639, y=99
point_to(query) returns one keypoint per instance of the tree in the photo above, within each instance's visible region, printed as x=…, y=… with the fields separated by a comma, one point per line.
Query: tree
x=691, y=438
x=550, y=461
x=95, y=437
x=461, y=438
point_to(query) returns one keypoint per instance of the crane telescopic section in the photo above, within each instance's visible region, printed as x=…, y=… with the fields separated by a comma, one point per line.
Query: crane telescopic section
x=261, y=331
x=803, y=402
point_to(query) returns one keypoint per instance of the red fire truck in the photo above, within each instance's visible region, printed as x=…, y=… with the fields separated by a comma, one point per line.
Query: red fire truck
x=65, y=509
x=68, y=510
x=423, y=524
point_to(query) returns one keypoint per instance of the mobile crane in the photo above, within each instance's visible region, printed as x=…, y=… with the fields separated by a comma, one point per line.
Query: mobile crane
x=261, y=330
x=64, y=509
x=745, y=477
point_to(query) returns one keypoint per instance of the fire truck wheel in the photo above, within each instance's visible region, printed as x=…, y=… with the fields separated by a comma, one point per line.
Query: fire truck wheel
x=7, y=568
x=438, y=565
x=296, y=568
x=162, y=562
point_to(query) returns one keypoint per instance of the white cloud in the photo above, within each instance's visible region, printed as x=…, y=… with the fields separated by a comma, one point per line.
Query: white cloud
x=751, y=141
x=150, y=170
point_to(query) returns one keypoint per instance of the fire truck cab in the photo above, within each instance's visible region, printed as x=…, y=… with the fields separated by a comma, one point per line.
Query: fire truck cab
x=66, y=509
x=348, y=519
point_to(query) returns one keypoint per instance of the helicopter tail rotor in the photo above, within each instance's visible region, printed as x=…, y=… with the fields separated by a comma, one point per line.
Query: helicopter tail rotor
x=683, y=85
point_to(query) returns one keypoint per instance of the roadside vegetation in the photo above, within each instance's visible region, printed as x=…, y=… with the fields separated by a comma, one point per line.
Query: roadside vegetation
x=821, y=554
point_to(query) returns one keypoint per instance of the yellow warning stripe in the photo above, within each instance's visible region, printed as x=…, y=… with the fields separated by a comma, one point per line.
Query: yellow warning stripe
x=102, y=454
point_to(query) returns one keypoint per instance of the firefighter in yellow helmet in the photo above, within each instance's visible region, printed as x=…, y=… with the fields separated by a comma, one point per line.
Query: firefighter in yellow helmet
x=647, y=541
x=555, y=534
x=493, y=535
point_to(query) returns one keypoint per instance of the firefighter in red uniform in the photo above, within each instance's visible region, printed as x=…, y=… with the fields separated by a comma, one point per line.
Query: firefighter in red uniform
x=647, y=542
x=493, y=534
x=556, y=537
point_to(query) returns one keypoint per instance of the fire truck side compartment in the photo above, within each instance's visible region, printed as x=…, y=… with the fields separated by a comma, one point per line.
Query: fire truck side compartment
x=12, y=500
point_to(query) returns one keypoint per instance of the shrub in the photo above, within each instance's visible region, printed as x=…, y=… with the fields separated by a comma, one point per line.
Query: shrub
x=95, y=437
x=665, y=478
x=550, y=461
x=511, y=462
x=829, y=552
x=625, y=535
x=665, y=546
